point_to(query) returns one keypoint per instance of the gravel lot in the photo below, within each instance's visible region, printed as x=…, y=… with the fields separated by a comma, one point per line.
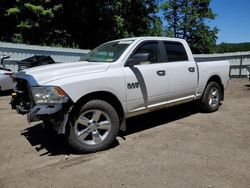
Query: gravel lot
x=177, y=147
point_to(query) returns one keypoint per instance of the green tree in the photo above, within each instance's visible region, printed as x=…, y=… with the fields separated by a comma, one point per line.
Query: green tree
x=156, y=27
x=91, y=22
x=7, y=25
x=188, y=19
x=232, y=47
x=34, y=21
x=172, y=10
x=78, y=23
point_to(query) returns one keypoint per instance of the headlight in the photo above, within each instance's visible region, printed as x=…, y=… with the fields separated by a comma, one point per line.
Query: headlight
x=49, y=94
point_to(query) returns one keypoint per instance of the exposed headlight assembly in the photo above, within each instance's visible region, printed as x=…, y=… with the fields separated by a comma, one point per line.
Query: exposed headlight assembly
x=49, y=95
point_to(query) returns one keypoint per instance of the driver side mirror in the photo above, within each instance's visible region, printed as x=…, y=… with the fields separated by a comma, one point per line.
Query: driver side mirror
x=138, y=59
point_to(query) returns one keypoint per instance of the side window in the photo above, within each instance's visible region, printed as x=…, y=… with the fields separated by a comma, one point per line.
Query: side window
x=175, y=51
x=152, y=49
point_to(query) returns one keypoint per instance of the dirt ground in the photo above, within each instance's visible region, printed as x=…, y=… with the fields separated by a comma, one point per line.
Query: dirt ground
x=176, y=147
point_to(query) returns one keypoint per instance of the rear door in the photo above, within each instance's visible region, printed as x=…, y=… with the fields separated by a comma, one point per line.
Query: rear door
x=146, y=81
x=182, y=73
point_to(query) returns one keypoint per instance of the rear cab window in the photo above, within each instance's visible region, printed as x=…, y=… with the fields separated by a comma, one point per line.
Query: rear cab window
x=175, y=51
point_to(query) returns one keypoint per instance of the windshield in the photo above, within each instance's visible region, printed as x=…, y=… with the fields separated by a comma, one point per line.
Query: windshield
x=108, y=52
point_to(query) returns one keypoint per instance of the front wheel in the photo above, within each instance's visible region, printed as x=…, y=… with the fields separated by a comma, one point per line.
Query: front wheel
x=94, y=128
x=211, y=97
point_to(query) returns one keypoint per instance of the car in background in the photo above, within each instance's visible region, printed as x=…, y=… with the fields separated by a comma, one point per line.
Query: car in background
x=34, y=61
x=6, y=82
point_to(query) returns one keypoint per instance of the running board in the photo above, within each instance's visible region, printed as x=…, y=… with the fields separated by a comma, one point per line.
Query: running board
x=159, y=106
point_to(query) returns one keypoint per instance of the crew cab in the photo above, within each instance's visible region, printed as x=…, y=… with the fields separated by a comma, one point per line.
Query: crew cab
x=89, y=100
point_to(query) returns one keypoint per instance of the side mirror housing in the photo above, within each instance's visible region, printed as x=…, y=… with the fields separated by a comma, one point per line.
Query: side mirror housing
x=137, y=59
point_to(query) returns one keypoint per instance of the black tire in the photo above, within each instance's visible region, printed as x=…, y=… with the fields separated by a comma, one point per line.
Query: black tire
x=94, y=128
x=211, y=98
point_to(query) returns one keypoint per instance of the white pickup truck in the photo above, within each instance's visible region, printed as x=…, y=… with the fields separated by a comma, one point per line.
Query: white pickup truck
x=89, y=100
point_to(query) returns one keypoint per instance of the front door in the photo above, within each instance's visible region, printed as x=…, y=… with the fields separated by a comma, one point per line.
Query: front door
x=146, y=81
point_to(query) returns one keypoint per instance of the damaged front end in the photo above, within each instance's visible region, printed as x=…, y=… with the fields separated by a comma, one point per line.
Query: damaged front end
x=46, y=103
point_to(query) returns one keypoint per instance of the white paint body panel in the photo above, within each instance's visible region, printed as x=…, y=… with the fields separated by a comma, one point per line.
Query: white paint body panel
x=209, y=69
x=182, y=82
x=81, y=78
x=157, y=86
x=6, y=82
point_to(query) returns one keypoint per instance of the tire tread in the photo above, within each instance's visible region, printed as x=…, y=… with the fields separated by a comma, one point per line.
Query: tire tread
x=102, y=105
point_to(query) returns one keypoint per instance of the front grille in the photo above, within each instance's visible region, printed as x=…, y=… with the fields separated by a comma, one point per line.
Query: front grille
x=24, y=95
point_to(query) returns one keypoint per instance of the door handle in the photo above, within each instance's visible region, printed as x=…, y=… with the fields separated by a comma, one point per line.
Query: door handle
x=191, y=69
x=161, y=73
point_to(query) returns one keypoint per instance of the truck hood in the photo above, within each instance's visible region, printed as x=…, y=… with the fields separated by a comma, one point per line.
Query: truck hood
x=47, y=73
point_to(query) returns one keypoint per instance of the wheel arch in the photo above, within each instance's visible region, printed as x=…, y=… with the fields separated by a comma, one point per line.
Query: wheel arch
x=101, y=95
x=217, y=79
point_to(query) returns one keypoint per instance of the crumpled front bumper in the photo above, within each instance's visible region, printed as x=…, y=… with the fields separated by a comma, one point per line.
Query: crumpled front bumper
x=43, y=112
x=22, y=101
x=57, y=113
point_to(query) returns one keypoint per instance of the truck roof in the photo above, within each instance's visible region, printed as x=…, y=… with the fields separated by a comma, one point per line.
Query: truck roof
x=151, y=38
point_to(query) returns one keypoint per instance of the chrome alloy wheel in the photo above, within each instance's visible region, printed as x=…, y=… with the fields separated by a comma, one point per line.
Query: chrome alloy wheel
x=213, y=97
x=92, y=127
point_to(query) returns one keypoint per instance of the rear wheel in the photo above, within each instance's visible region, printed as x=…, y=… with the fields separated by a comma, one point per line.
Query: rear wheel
x=211, y=97
x=94, y=128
